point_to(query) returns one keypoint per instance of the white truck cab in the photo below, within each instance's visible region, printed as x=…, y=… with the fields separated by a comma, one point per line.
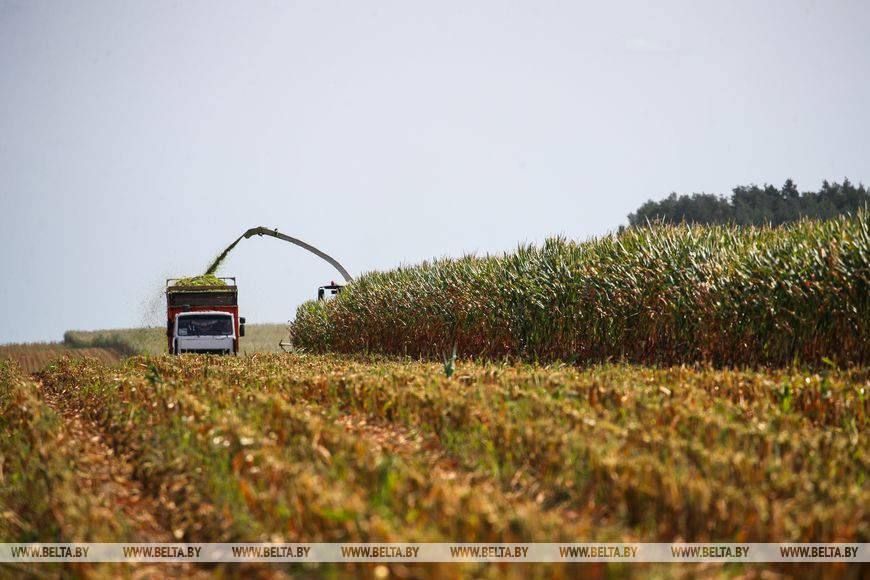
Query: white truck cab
x=204, y=332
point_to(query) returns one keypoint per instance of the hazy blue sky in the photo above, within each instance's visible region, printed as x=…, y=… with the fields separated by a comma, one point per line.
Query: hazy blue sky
x=138, y=138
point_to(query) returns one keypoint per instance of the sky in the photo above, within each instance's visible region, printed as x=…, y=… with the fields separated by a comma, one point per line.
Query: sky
x=138, y=139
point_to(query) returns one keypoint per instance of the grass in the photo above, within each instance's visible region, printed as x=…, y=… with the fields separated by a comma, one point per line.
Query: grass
x=720, y=295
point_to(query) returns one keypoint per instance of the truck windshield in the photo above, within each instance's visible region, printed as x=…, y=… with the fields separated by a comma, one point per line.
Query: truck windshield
x=205, y=325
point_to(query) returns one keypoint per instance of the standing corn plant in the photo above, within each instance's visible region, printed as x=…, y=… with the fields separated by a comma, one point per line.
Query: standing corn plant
x=721, y=295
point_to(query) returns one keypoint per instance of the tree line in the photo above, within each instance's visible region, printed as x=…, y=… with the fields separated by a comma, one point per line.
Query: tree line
x=754, y=205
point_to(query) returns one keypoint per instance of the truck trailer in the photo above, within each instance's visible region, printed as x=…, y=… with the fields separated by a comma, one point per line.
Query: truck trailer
x=203, y=319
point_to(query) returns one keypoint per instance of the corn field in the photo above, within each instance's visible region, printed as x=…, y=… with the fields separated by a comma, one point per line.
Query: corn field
x=720, y=295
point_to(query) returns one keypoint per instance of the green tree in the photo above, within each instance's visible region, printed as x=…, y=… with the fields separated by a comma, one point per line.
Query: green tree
x=754, y=205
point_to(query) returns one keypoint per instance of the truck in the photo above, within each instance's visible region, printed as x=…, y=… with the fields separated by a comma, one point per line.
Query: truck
x=203, y=319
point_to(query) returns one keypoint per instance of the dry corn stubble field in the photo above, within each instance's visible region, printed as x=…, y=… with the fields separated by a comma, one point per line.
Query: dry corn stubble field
x=337, y=448
x=34, y=357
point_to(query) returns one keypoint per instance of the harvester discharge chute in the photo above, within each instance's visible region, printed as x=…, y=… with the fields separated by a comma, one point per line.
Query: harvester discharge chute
x=331, y=289
x=261, y=231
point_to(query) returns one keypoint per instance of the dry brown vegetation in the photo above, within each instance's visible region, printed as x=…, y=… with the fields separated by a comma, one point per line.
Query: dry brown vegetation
x=35, y=356
x=326, y=448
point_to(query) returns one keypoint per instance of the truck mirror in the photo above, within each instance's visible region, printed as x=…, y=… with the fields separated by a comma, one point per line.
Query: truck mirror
x=169, y=327
x=241, y=320
x=241, y=329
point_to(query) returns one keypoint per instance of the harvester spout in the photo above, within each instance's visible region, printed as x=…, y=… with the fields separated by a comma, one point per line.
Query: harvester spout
x=256, y=232
x=261, y=231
